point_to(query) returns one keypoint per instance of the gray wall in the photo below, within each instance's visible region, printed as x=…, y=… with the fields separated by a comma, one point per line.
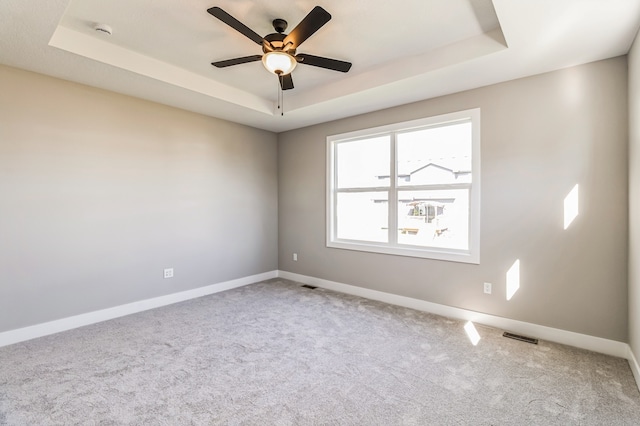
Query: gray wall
x=540, y=136
x=100, y=192
x=634, y=197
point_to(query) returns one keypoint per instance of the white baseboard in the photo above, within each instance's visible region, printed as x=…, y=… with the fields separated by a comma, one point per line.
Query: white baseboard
x=635, y=368
x=596, y=344
x=64, y=324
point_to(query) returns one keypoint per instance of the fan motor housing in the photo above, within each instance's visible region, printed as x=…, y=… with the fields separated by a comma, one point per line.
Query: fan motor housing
x=274, y=42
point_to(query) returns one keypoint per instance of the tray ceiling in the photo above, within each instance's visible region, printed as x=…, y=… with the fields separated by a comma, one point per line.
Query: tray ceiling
x=162, y=50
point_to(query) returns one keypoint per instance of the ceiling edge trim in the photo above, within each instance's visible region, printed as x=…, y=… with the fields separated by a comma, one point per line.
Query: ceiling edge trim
x=99, y=50
x=377, y=79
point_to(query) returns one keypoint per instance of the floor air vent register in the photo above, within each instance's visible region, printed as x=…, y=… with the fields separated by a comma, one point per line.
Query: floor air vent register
x=521, y=338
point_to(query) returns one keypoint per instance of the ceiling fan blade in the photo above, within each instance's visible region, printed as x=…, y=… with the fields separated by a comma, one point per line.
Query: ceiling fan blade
x=309, y=25
x=286, y=82
x=235, y=24
x=236, y=61
x=319, y=61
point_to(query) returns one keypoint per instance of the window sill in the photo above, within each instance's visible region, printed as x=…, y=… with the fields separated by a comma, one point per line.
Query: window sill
x=450, y=255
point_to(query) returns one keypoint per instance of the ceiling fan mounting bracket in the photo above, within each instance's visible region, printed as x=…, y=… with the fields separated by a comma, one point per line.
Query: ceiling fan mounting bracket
x=279, y=25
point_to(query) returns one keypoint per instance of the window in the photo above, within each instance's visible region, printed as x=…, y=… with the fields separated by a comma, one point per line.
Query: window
x=410, y=189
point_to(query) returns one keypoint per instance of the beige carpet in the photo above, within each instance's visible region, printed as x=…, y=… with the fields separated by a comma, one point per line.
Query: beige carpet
x=274, y=353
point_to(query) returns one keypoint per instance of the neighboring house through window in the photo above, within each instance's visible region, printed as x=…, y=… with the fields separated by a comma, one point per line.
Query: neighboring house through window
x=409, y=189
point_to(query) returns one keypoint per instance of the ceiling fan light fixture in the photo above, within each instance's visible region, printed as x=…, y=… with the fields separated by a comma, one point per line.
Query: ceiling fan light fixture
x=278, y=62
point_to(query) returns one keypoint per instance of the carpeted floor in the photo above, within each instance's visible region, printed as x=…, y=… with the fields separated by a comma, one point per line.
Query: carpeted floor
x=274, y=353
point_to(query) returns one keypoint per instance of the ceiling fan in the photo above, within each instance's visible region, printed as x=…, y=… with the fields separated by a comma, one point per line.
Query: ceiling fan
x=279, y=49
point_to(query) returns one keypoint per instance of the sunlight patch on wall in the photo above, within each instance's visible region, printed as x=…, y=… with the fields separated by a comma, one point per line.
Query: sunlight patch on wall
x=571, y=207
x=472, y=333
x=513, y=279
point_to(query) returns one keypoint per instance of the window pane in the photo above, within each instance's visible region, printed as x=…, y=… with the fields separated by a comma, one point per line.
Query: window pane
x=363, y=163
x=363, y=216
x=434, y=218
x=436, y=155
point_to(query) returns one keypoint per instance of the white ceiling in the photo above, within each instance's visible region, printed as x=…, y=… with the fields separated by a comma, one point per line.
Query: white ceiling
x=401, y=52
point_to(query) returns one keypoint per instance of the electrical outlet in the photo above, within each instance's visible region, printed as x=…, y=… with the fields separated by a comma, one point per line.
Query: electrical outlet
x=168, y=273
x=295, y=257
x=487, y=288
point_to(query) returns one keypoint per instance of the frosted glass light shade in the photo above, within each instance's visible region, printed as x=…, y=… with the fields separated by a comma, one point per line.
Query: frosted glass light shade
x=279, y=62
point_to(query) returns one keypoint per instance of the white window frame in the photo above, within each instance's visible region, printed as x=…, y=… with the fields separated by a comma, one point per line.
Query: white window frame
x=472, y=255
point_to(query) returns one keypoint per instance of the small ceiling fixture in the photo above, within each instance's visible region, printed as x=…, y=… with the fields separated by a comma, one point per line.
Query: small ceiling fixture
x=103, y=28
